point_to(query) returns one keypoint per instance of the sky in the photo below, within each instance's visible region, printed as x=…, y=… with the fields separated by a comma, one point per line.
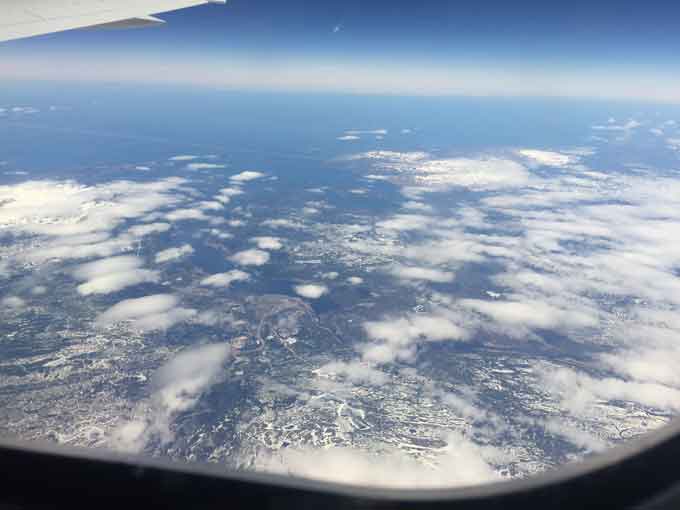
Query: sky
x=606, y=49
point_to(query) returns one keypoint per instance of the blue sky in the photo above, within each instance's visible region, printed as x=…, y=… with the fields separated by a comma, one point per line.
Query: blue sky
x=595, y=49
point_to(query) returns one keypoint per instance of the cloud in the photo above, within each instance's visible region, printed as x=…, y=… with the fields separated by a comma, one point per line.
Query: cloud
x=673, y=143
x=461, y=462
x=112, y=275
x=177, y=387
x=250, y=258
x=205, y=166
x=311, y=290
x=267, y=243
x=347, y=138
x=183, y=157
x=186, y=214
x=225, y=279
x=246, y=176
x=159, y=311
x=80, y=247
x=107, y=266
x=532, y=314
x=396, y=338
x=612, y=126
x=282, y=223
x=231, y=192
x=173, y=253
x=579, y=392
x=366, y=132
x=547, y=158
x=13, y=302
x=481, y=173
x=355, y=372
x=404, y=222
x=70, y=209
x=417, y=206
x=212, y=205
x=150, y=228
x=220, y=234
x=355, y=280
x=422, y=273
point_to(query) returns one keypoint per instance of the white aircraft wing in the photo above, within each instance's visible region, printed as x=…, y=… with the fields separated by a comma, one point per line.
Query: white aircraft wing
x=26, y=18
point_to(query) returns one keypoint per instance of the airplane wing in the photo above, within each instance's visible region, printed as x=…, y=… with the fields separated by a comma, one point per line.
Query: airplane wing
x=26, y=18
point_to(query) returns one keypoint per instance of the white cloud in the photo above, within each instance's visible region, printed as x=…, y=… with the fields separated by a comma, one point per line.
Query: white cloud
x=246, y=176
x=422, y=273
x=212, y=205
x=673, y=143
x=178, y=387
x=347, y=138
x=267, y=243
x=417, y=206
x=355, y=280
x=112, y=275
x=106, y=266
x=231, y=192
x=225, y=279
x=186, y=214
x=250, y=258
x=532, y=314
x=159, y=311
x=150, y=228
x=355, y=371
x=402, y=222
x=547, y=158
x=173, y=253
x=70, y=209
x=39, y=290
x=220, y=234
x=612, y=126
x=579, y=391
x=183, y=157
x=311, y=290
x=481, y=173
x=366, y=132
x=204, y=166
x=461, y=462
x=282, y=223
x=395, y=339
x=13, y=302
